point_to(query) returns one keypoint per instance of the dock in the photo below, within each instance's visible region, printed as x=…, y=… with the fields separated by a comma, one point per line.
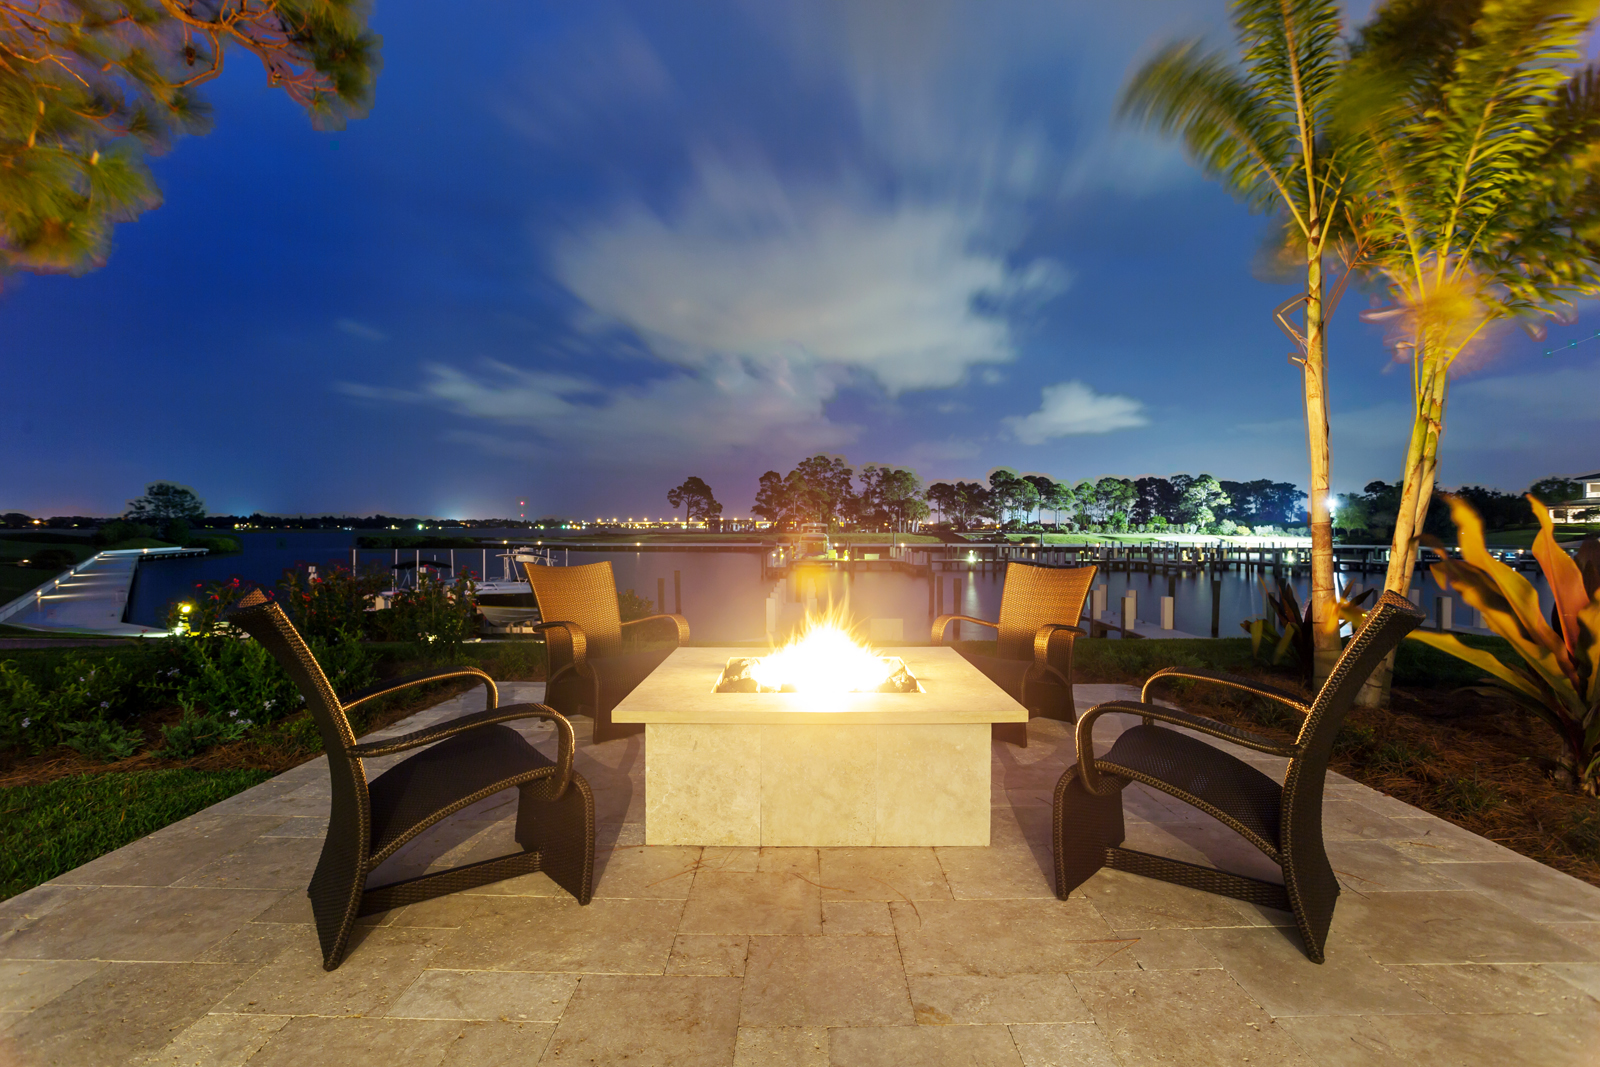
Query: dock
x=91, y=597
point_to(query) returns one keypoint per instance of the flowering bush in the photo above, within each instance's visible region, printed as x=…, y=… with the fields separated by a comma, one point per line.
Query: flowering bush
x=436, y=616
x=81, y=691
x=330, y=604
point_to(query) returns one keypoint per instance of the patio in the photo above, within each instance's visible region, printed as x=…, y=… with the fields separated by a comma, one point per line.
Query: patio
x=194, y=945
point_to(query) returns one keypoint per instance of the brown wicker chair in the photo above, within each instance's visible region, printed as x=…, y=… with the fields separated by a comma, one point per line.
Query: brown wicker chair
x=1033, y=658
x=589, y=671
x=469, y=758
x=1284, y=822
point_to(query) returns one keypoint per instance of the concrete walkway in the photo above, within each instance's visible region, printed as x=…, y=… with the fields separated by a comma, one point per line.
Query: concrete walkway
x=193, y=946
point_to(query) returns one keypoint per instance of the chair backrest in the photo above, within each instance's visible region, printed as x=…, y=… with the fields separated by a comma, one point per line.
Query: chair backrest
x=1385, y=627
x=1034, y=595
x=267, y=623
x=586, y=595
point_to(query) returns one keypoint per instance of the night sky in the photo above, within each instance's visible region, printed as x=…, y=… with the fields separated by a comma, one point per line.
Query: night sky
x=579, y=252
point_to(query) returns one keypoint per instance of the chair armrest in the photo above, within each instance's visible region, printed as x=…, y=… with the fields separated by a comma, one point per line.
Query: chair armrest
x=1198, y=723
x=943, y=621
x=567, y=637
x=372, y=692
x=678, y=620
x=489, y=716
x=1234, y=681
x=1049, y=634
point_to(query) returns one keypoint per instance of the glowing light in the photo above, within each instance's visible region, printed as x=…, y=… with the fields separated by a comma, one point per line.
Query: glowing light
x=185, y=608
x=824, y=660
x=1333, y=503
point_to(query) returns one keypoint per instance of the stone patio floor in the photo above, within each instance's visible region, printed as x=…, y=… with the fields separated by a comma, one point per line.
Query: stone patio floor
x=193, y=946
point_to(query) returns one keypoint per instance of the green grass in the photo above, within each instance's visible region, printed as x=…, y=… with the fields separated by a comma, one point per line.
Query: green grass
x=47, y=830
x=1522, y=536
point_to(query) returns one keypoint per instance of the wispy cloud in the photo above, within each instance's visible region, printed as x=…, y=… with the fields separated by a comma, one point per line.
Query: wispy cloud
x=1071, y=408
x=750, y=266
x=722, y=408
x=360, y=329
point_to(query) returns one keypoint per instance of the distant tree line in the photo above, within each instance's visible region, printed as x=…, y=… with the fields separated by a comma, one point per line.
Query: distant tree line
x=1370, y=515
x=1180, y=503
x=825, y=489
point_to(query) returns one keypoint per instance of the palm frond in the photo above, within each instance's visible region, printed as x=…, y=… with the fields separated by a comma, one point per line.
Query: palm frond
x=1230, y=132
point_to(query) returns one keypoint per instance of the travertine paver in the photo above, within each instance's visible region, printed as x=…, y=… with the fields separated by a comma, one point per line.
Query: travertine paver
x=194, y=946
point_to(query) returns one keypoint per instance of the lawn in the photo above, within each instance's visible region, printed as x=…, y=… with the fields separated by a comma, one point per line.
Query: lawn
x=52, y=827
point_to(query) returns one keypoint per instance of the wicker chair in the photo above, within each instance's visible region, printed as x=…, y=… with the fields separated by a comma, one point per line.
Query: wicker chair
x=469, y=758
x=1284, y=822
x=1033, y=657
x=589, y=671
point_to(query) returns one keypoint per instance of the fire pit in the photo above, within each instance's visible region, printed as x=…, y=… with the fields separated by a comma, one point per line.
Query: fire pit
x=826, y=757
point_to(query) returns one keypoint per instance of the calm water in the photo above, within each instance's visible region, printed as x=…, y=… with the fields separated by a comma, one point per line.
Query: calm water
x=723, y=594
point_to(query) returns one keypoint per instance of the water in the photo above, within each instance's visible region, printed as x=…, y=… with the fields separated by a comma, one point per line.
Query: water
x=724, y=596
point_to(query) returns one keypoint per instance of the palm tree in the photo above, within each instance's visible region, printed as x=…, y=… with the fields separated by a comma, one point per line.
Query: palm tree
x=1258, y=128
x=1474, y=141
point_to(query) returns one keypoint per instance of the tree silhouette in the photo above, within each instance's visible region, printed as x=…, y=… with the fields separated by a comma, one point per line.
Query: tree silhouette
x=694, y=496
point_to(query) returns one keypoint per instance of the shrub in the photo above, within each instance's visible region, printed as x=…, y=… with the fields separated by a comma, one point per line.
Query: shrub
x=55, y=559
x=631, y=605
x=81, y=690
x=435, y=617
x=331, y=605
x=217, y=546
x=102, y=739
x=122, y=530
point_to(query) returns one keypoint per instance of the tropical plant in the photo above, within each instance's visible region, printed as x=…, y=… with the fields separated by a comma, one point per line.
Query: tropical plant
x=88, y=86
x=1558, y=679
x=1288, y=627
x=1259, y=128
x=1476, y=147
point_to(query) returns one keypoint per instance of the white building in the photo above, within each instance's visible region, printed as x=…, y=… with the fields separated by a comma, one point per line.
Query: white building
x=1585, y=508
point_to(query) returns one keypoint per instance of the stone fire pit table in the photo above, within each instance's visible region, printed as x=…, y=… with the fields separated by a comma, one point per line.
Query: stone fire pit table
x=900, y=769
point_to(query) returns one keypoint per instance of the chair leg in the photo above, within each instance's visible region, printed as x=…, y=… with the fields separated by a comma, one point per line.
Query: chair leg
x=562, y=832
x=1313, y=890
x=335, y=893
x=1085, y=825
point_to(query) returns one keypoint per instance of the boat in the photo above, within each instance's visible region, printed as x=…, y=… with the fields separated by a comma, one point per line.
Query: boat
x=508, y=601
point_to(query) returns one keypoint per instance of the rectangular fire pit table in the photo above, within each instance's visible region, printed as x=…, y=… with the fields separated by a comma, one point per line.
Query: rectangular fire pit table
x=791, y=769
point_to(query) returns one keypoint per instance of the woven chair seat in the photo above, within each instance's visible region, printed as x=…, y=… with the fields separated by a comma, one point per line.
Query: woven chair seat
x=1174, y=761
x=424, y=788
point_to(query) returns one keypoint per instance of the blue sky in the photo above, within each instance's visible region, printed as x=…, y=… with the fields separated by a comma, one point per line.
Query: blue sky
x=580, y=252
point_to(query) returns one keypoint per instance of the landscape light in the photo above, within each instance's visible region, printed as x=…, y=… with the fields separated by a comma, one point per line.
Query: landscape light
x=1333, y=503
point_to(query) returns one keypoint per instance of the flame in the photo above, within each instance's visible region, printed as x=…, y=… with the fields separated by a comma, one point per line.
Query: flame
x=825, y=659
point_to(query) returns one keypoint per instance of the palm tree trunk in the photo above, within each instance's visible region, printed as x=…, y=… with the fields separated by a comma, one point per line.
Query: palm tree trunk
x=1324, y=619
x=1422, y=465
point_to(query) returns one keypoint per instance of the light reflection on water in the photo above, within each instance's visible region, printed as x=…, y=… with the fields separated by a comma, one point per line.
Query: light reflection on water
x=724, y=595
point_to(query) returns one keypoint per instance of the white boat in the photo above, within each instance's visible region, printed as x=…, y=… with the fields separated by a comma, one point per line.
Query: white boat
x=507, y=601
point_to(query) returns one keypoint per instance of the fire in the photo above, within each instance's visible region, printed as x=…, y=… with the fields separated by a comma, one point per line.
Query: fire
x=825, y=660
